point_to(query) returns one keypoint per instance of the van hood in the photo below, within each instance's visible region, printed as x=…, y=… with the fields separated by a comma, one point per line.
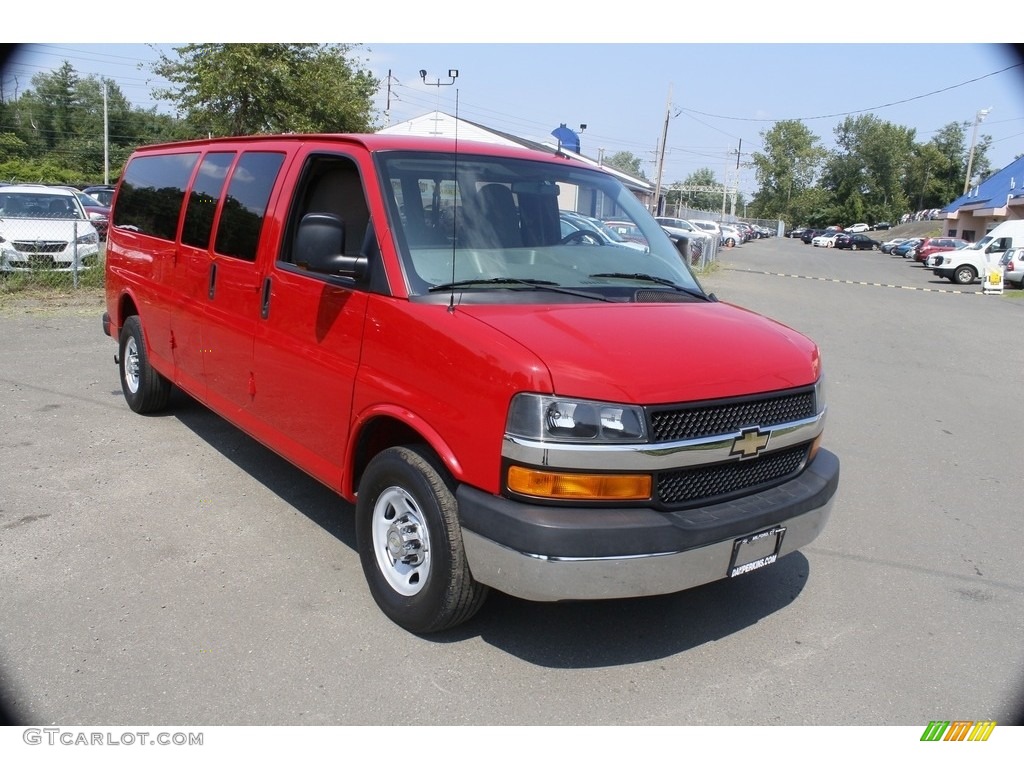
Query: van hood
x=657, y=353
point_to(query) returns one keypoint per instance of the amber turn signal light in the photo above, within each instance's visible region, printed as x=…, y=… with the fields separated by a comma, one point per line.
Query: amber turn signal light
x=578, y=487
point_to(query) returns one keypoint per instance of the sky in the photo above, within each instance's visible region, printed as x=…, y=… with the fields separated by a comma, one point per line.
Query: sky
x=623, y=80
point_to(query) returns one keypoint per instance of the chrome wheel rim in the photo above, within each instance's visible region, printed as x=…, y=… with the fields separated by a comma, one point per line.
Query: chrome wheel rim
x=131, y=365
x=401, y=541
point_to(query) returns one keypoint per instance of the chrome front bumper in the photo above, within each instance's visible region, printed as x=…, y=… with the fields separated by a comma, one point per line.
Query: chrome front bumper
x=801, y=506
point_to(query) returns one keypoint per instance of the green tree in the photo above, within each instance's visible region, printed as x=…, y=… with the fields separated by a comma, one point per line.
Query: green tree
x=626, y=162
x=59, y=104
x=947, y=166
x=788, y=167
x=250, y=88
x=866, y=173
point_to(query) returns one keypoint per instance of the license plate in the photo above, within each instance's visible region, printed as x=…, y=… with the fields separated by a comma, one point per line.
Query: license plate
x=756, y=551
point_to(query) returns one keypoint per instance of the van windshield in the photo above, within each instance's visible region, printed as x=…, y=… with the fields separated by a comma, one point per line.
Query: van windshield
x=495, y=226
x=980, y=245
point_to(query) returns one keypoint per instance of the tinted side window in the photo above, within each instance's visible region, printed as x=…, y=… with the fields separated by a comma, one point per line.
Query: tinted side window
x=245, y=207
x=203, y=199
x=152, y=191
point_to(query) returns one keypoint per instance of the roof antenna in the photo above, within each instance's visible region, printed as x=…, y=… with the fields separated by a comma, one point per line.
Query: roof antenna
x=455, y=199
x=453, y=74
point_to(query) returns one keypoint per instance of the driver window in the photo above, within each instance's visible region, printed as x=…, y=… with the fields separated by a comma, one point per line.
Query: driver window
x=333, y=185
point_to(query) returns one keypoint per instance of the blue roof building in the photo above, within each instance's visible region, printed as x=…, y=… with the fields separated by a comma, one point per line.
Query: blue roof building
x=998, y=198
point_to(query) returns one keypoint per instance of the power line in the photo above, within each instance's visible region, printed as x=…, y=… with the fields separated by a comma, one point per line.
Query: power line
x=858, y=111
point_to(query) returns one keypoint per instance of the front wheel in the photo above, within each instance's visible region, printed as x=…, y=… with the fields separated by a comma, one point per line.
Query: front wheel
x=964, y=275
x=410, y=542
x=145, y=390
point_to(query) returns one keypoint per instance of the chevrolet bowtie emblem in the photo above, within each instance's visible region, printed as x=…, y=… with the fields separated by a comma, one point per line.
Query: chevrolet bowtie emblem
x=750, y=443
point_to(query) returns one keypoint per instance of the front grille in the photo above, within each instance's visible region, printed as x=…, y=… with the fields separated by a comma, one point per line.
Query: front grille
x=40, y=246
x=702, y=485
x=37, y=261
x=724, y=417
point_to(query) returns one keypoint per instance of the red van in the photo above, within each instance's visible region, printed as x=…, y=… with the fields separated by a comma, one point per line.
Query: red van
x=557, y=418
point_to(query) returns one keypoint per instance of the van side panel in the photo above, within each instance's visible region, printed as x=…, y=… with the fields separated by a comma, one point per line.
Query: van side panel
x=142, y=246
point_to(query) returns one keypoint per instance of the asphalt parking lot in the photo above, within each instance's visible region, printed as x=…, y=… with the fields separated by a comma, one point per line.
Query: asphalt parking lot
x=169, y=570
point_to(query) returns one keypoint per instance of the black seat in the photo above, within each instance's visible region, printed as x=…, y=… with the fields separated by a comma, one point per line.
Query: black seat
x=497, y=223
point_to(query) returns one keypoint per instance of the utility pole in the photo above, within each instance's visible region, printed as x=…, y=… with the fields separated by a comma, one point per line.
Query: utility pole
x=725, y=185
x=661, y=153
x=106, y=138
x=736, y=186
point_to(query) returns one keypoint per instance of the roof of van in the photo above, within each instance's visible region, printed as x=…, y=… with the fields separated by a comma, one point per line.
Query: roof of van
x=374, y=142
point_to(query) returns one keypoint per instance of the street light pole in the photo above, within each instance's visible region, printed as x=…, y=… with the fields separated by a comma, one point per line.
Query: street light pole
x=978, y=118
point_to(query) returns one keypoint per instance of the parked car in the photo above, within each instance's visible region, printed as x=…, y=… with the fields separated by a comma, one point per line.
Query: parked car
x=627, y=230
x=103, y=192
x=826, y=239
x=882, y=225
x=691, y=241
x=931, y=245
x=711, y=227
x=809, y=234
x=684, y=226
x=730, y=235
x=796, y=232
x=1013, y=267
x=98, y=213
x=857, y=241
x=908, y=248
x=888, y=245
x=594, y=229
x=857, y=228
x=44, y=228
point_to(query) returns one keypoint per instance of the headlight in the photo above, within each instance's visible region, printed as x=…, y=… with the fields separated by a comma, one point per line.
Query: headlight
x=567, y=420
x=90, y=238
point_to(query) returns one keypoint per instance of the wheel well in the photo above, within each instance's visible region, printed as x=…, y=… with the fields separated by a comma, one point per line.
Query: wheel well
x=379, y=434
x=126, y=308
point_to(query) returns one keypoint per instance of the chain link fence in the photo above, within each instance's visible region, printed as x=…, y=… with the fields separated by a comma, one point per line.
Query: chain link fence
x=47, y=241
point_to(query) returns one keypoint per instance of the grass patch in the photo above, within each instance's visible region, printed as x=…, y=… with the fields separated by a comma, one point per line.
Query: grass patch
x=52, y=292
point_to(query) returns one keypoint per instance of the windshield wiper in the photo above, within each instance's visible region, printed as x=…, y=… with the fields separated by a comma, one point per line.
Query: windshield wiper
x=653, y=279
x=491, y=281
x=517, y=283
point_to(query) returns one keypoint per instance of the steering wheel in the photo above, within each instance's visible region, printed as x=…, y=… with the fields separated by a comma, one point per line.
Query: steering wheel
x=581, y=234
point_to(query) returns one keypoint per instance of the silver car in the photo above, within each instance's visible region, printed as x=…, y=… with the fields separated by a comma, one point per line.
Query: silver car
x=1013, y=267
x=44, y=228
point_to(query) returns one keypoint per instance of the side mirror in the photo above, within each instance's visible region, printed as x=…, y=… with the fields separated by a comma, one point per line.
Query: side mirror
x=320, y=246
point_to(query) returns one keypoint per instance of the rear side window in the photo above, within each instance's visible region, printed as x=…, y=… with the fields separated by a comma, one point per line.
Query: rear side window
x=152, y=192
x=245, y=207
x=203, y=199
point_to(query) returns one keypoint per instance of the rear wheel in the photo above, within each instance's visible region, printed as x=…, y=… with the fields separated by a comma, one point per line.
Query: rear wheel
x=145, y=390
x=410, y=542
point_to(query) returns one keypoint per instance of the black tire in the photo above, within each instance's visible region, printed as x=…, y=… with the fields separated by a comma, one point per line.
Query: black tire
x=964, y=275
x=854, y=247
x=410, y=542
x=145, y=390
